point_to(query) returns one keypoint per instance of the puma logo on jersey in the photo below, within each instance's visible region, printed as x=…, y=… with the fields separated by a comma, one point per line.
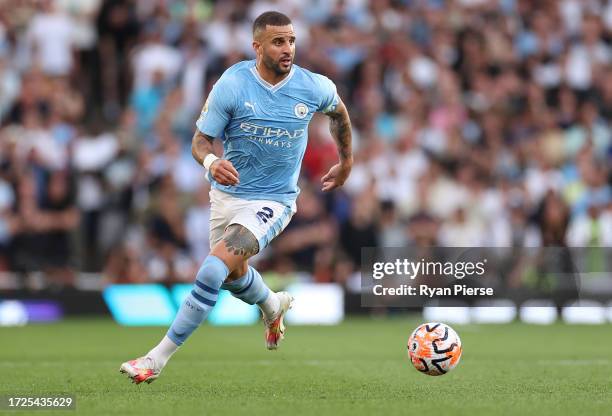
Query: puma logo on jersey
x=249, y=105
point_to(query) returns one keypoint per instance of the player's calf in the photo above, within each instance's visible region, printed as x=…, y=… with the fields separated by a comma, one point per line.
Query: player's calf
x=252, y=289
x=191, y=314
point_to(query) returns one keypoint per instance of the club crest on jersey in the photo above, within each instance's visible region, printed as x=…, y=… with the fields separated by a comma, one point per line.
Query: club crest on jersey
x=300, y=110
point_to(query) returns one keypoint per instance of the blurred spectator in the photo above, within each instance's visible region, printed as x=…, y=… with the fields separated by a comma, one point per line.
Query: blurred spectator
x=50, y=39
x=10, y=85
x=391, y=230
x=154, y=61
x=593, y=229
x=118, y=26
x=146, y=102
x=553, y=219
x=48, y=216
x=475, y=123
x=197, y=225
x=309, y=231
x=360, y=229
x=8, y=222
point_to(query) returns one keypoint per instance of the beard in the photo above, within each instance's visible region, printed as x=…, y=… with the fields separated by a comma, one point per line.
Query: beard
x=277, y=66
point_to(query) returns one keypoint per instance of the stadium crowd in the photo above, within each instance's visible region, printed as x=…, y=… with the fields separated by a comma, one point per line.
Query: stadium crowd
x=476, y=123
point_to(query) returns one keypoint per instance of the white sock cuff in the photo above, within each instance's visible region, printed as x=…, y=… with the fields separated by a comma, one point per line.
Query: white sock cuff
x=162, y=352
x=270, y=306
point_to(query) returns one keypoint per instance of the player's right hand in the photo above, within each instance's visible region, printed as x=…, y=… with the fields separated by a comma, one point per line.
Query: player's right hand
x=224, y=172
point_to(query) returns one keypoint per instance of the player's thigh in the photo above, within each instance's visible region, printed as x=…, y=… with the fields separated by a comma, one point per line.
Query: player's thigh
x=235, y=248
x=264, y=219
x=220, y=216
x=250, y=228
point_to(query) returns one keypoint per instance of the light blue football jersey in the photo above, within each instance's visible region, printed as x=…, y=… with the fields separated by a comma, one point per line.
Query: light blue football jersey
x=264, y=127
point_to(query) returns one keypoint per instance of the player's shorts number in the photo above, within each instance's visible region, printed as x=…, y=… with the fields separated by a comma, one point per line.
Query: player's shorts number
x=265, y=214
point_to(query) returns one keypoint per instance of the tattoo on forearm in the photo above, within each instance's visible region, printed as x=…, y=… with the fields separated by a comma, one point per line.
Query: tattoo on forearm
x=340, y=128
x=201, y=145
x=240, y=241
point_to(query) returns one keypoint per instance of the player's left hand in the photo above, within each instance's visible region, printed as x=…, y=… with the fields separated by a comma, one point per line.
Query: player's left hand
x=336, y=177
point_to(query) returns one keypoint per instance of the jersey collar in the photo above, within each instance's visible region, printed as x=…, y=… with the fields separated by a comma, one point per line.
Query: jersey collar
x=267, y=85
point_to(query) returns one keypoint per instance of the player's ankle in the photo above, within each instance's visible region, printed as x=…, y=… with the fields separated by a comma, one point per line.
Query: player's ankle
x=157, y=363
x=270, y=307
x=162, y=352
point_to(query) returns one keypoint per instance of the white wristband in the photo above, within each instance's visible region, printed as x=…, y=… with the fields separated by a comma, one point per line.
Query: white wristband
x=208, y=160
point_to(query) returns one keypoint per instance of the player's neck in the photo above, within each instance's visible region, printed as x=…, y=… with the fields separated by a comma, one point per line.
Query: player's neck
x=269, y=76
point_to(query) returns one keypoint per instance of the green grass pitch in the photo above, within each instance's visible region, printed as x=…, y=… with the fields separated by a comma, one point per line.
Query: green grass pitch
x=357, y=368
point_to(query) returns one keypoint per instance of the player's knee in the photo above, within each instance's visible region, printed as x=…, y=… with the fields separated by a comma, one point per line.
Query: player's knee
x=237, y=242
x=212, y=272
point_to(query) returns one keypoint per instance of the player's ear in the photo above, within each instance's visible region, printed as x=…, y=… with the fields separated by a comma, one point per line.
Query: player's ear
x=256, y=46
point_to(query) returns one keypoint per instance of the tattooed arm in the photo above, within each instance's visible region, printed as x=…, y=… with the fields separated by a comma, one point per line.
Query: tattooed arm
x=221, y=170
x=340, y=128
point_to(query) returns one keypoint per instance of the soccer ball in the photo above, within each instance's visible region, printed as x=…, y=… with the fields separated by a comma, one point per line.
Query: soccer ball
x=434, y=348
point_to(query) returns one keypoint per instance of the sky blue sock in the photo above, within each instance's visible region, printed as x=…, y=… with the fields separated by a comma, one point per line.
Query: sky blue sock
x=200, y=301
x=249, y=288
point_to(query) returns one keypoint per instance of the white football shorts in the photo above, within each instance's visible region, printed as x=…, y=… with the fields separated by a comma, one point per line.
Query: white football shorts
x=265, y=219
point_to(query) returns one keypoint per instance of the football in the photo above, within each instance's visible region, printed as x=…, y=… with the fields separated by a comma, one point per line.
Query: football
x=434, y=348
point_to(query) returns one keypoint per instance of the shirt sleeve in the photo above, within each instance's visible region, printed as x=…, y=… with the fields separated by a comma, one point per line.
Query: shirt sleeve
x=217, y=110
x=328, y=96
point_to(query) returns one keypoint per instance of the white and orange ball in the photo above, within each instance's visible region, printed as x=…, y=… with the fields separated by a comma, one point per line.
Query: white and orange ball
x=434, y=348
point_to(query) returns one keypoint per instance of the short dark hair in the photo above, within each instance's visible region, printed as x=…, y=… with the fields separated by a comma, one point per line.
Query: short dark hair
x=270, y=18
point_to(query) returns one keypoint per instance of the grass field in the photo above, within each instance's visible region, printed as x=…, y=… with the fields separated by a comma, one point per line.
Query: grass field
x=357, y=368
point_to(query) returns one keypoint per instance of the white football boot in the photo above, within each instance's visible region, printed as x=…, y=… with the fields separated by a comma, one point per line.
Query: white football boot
x=275, y=327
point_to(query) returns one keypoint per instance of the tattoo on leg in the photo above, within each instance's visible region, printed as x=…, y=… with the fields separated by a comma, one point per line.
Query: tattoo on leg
x=240, y=241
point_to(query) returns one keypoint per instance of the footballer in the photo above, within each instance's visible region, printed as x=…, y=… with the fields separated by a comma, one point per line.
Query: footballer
x=260, y=109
